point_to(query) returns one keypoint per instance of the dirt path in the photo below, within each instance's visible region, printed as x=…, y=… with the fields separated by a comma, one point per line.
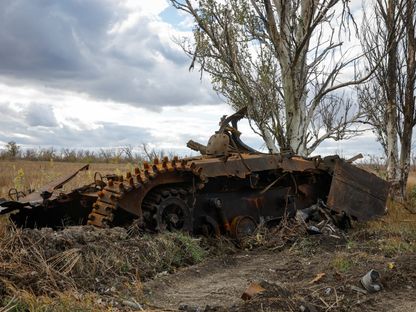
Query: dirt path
x=221, y=282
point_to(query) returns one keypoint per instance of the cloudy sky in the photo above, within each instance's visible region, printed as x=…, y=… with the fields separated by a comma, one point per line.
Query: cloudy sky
x=107, y=73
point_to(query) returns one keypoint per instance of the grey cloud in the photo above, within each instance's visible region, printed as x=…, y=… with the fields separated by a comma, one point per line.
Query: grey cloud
x=35, y=125
x=109, y=135
x=41, y=38
x=67, y=45
x=12, y=123
x=40, y=115
x=8, y=113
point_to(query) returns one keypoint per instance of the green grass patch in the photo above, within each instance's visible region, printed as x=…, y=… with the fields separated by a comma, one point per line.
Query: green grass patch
x=342, y=262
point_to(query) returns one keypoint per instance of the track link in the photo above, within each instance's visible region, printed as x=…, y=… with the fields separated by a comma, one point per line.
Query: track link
x=106, y=206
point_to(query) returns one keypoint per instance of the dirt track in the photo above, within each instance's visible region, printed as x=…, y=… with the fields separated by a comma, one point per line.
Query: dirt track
x=219, y=283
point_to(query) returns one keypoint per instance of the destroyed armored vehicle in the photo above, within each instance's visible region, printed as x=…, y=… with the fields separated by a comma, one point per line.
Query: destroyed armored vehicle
x=229, y=189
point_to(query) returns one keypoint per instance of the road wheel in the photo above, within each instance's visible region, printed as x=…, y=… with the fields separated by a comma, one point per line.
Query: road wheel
x=167, y=209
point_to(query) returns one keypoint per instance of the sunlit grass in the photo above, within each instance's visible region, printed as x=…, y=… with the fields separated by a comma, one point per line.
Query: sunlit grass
x=24, y=175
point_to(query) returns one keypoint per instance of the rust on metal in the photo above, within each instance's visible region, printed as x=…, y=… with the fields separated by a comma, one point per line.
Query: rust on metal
x=357, y=192
x=252, y=290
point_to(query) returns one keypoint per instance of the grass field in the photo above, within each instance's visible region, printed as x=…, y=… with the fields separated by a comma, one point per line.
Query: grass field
x=24, y=175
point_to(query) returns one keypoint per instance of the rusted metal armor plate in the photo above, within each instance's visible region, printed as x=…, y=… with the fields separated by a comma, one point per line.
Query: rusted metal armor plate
x=243, y=164
x=357, y=192
x=51, y=187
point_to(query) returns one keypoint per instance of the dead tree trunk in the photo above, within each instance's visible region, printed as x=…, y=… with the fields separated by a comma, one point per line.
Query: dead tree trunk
x=389, y=99
x=391, y=111
x=409, y=97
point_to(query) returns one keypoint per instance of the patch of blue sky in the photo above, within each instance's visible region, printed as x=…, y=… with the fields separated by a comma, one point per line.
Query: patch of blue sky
x=174, y=17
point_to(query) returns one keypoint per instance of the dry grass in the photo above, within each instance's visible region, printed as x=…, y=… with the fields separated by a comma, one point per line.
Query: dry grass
x=41, y=266
x=398, y=219
x=393, y=234
x=25, y=175
x=79, y=268
x=67, y=301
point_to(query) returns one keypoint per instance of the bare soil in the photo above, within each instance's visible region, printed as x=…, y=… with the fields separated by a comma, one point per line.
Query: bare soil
x=288, y=277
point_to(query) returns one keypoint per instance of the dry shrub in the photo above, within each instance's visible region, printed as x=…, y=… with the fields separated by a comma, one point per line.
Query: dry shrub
x=46, y=262
x=67, y=301
x=397, y=221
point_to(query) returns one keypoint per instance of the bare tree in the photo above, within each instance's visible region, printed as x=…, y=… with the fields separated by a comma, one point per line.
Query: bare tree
x=282, y=59
x=389, y=98
x=13, y=150
x=128, y=152
x=407, y=109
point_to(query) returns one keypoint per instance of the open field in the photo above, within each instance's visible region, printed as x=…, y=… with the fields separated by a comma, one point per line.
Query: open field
x=24, y=175
x=88, y=269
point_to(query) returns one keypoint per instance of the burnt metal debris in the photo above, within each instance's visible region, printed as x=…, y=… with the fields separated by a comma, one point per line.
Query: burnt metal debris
x=229, y=189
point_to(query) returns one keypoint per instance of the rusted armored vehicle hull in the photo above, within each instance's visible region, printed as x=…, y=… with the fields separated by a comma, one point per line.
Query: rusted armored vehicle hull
x=229, y=189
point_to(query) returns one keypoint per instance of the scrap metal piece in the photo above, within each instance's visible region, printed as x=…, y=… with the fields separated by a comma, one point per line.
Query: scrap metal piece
x=51, y=187
x=371, y=281
x=357, y=192
x=313, y=230
x=62, y=181
x=252, y=290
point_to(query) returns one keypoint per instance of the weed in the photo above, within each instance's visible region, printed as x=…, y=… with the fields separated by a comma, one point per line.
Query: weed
x=19, y=180
x=397, y=222
x=125, y=266
x=410, y=202
x=170, y=250
x=306, y=246
x=44, y=262
x=191, y=247
x=394, y=246
x=351, y=245
x=342, y=262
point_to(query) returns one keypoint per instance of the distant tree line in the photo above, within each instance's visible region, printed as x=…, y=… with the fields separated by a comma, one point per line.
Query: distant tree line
x=125, y=154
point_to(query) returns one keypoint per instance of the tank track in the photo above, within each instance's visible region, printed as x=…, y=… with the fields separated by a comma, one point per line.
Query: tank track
x=106, y=206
